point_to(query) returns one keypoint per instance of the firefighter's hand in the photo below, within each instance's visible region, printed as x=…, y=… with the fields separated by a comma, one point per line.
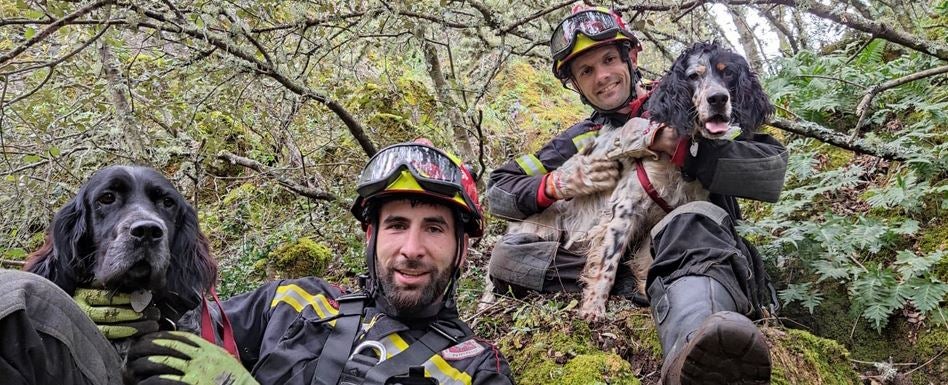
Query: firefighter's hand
x=114, y=314
x=639, y=138
x=582, y=175
x=179, y=358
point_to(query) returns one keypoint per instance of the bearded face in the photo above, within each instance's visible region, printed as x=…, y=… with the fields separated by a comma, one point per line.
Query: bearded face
x=415, y=252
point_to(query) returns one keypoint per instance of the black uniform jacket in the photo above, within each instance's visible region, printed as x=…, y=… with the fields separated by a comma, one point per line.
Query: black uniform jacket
x=281, y=329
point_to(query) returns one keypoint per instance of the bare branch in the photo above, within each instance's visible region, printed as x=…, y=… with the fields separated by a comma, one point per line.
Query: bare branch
x=55, y=26
x=535, y=15
x=838, y=139
x=863, y=108
x=288, y=81
x=297, y=188
x=309, y=22
x=854, y=21
x=61, y=58
x=49, y=75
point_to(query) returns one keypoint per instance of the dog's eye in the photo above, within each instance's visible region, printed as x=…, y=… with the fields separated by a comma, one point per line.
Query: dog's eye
x=106, y=199
x=694, y=76
x=168, y=202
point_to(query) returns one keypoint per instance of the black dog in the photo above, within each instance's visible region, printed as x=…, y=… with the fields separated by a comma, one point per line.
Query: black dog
x=128, y=228
x=711, y=89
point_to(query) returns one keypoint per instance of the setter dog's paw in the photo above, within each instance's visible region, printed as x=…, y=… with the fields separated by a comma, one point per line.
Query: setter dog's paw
x=593, y=311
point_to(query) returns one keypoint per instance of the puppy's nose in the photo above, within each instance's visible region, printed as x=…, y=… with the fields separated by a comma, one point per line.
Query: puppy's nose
x=718, y=100
x=146, y=230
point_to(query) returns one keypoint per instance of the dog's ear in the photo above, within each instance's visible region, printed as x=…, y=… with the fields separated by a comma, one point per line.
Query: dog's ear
x=67, y=242
x=671, y=102
x=193, y=270
x=752, y=106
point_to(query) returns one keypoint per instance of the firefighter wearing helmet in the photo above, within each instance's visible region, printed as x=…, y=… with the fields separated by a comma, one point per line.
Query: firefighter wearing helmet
x=705, y=282
x=419, y=207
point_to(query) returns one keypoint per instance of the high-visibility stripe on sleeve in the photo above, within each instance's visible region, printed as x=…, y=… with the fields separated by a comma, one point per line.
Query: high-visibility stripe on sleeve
x=299, y=299
x=435, y=367
x=581, y=141
x=531, y=165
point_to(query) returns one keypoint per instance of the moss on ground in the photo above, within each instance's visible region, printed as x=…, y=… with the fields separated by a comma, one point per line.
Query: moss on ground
x=301, y=258
x=547, y=344
x=566, y=354
x=801, y=358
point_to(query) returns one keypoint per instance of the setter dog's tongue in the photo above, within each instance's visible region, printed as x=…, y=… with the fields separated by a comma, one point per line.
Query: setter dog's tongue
x=716, y=127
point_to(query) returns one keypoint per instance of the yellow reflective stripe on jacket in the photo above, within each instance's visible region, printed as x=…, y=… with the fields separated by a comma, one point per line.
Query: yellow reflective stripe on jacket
x=435, y=367
x=299, y=299
x=583, y=140
x=531, y=165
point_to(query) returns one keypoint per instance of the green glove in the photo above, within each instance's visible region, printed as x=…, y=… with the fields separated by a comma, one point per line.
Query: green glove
x=113, y=313
x=176, y=358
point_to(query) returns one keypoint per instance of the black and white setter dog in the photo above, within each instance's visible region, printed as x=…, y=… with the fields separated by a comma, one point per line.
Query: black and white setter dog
x=709, y=92
x=129, y=229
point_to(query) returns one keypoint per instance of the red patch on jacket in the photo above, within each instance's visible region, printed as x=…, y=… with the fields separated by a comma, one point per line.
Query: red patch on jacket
x=466, y=349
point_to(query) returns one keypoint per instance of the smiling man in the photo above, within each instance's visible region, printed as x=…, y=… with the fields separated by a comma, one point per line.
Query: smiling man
x=419, y=209
x=705, y=283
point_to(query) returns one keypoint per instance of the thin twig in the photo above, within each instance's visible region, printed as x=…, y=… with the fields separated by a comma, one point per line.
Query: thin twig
x=863, y=108
x=52, y=28
x=305, y=191
x=61, y=58
x=31, y=92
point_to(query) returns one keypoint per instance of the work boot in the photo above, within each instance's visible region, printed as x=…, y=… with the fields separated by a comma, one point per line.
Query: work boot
x=704, y=341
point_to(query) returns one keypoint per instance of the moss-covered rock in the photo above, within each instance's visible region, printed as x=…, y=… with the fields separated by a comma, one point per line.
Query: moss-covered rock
x=801, y=358
x=564, y=355
x=301, y=258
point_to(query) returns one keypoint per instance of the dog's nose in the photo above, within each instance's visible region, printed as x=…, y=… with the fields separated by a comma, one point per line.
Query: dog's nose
x=718, y=100
x=146, y=230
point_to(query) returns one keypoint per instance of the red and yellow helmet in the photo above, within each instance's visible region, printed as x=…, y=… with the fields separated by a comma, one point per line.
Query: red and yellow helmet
x=417, y=168
x=584, y=29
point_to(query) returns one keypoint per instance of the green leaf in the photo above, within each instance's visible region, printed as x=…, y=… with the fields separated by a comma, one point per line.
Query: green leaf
x=911, y=265
x=926, y=294
x=55, y=151
x=31, y=158
x=29, y=33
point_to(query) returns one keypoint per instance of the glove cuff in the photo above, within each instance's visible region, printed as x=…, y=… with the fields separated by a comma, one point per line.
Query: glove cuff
x=544, y=200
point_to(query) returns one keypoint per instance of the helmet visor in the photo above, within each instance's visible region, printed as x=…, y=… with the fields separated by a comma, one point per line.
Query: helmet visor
x=597, y=25
x=432, y=169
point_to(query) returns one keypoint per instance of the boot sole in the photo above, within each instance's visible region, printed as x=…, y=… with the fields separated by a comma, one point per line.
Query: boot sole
x=732, y=351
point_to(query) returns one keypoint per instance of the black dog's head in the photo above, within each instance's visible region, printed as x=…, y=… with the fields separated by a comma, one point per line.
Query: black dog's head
x=128, y=228
x=708, y=90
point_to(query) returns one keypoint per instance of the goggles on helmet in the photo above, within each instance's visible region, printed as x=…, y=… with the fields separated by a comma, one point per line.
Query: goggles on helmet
x=595, y=24
x=435, y=172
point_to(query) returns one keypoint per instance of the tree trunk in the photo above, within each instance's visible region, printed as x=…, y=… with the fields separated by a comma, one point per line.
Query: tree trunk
x=442, y=91
x=748, y=41
x=132, y=137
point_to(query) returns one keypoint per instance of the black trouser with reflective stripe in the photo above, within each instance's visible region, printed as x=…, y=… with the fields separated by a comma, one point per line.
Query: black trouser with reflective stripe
x=699, y=239
x=46, y=339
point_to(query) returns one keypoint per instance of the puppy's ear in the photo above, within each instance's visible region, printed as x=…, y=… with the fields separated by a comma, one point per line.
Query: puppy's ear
x=60, y=258
x=671, y=103
x=193, y=270
x=752, y=106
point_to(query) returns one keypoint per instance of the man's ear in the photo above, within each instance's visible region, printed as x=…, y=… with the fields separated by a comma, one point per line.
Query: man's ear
x=368, y=234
